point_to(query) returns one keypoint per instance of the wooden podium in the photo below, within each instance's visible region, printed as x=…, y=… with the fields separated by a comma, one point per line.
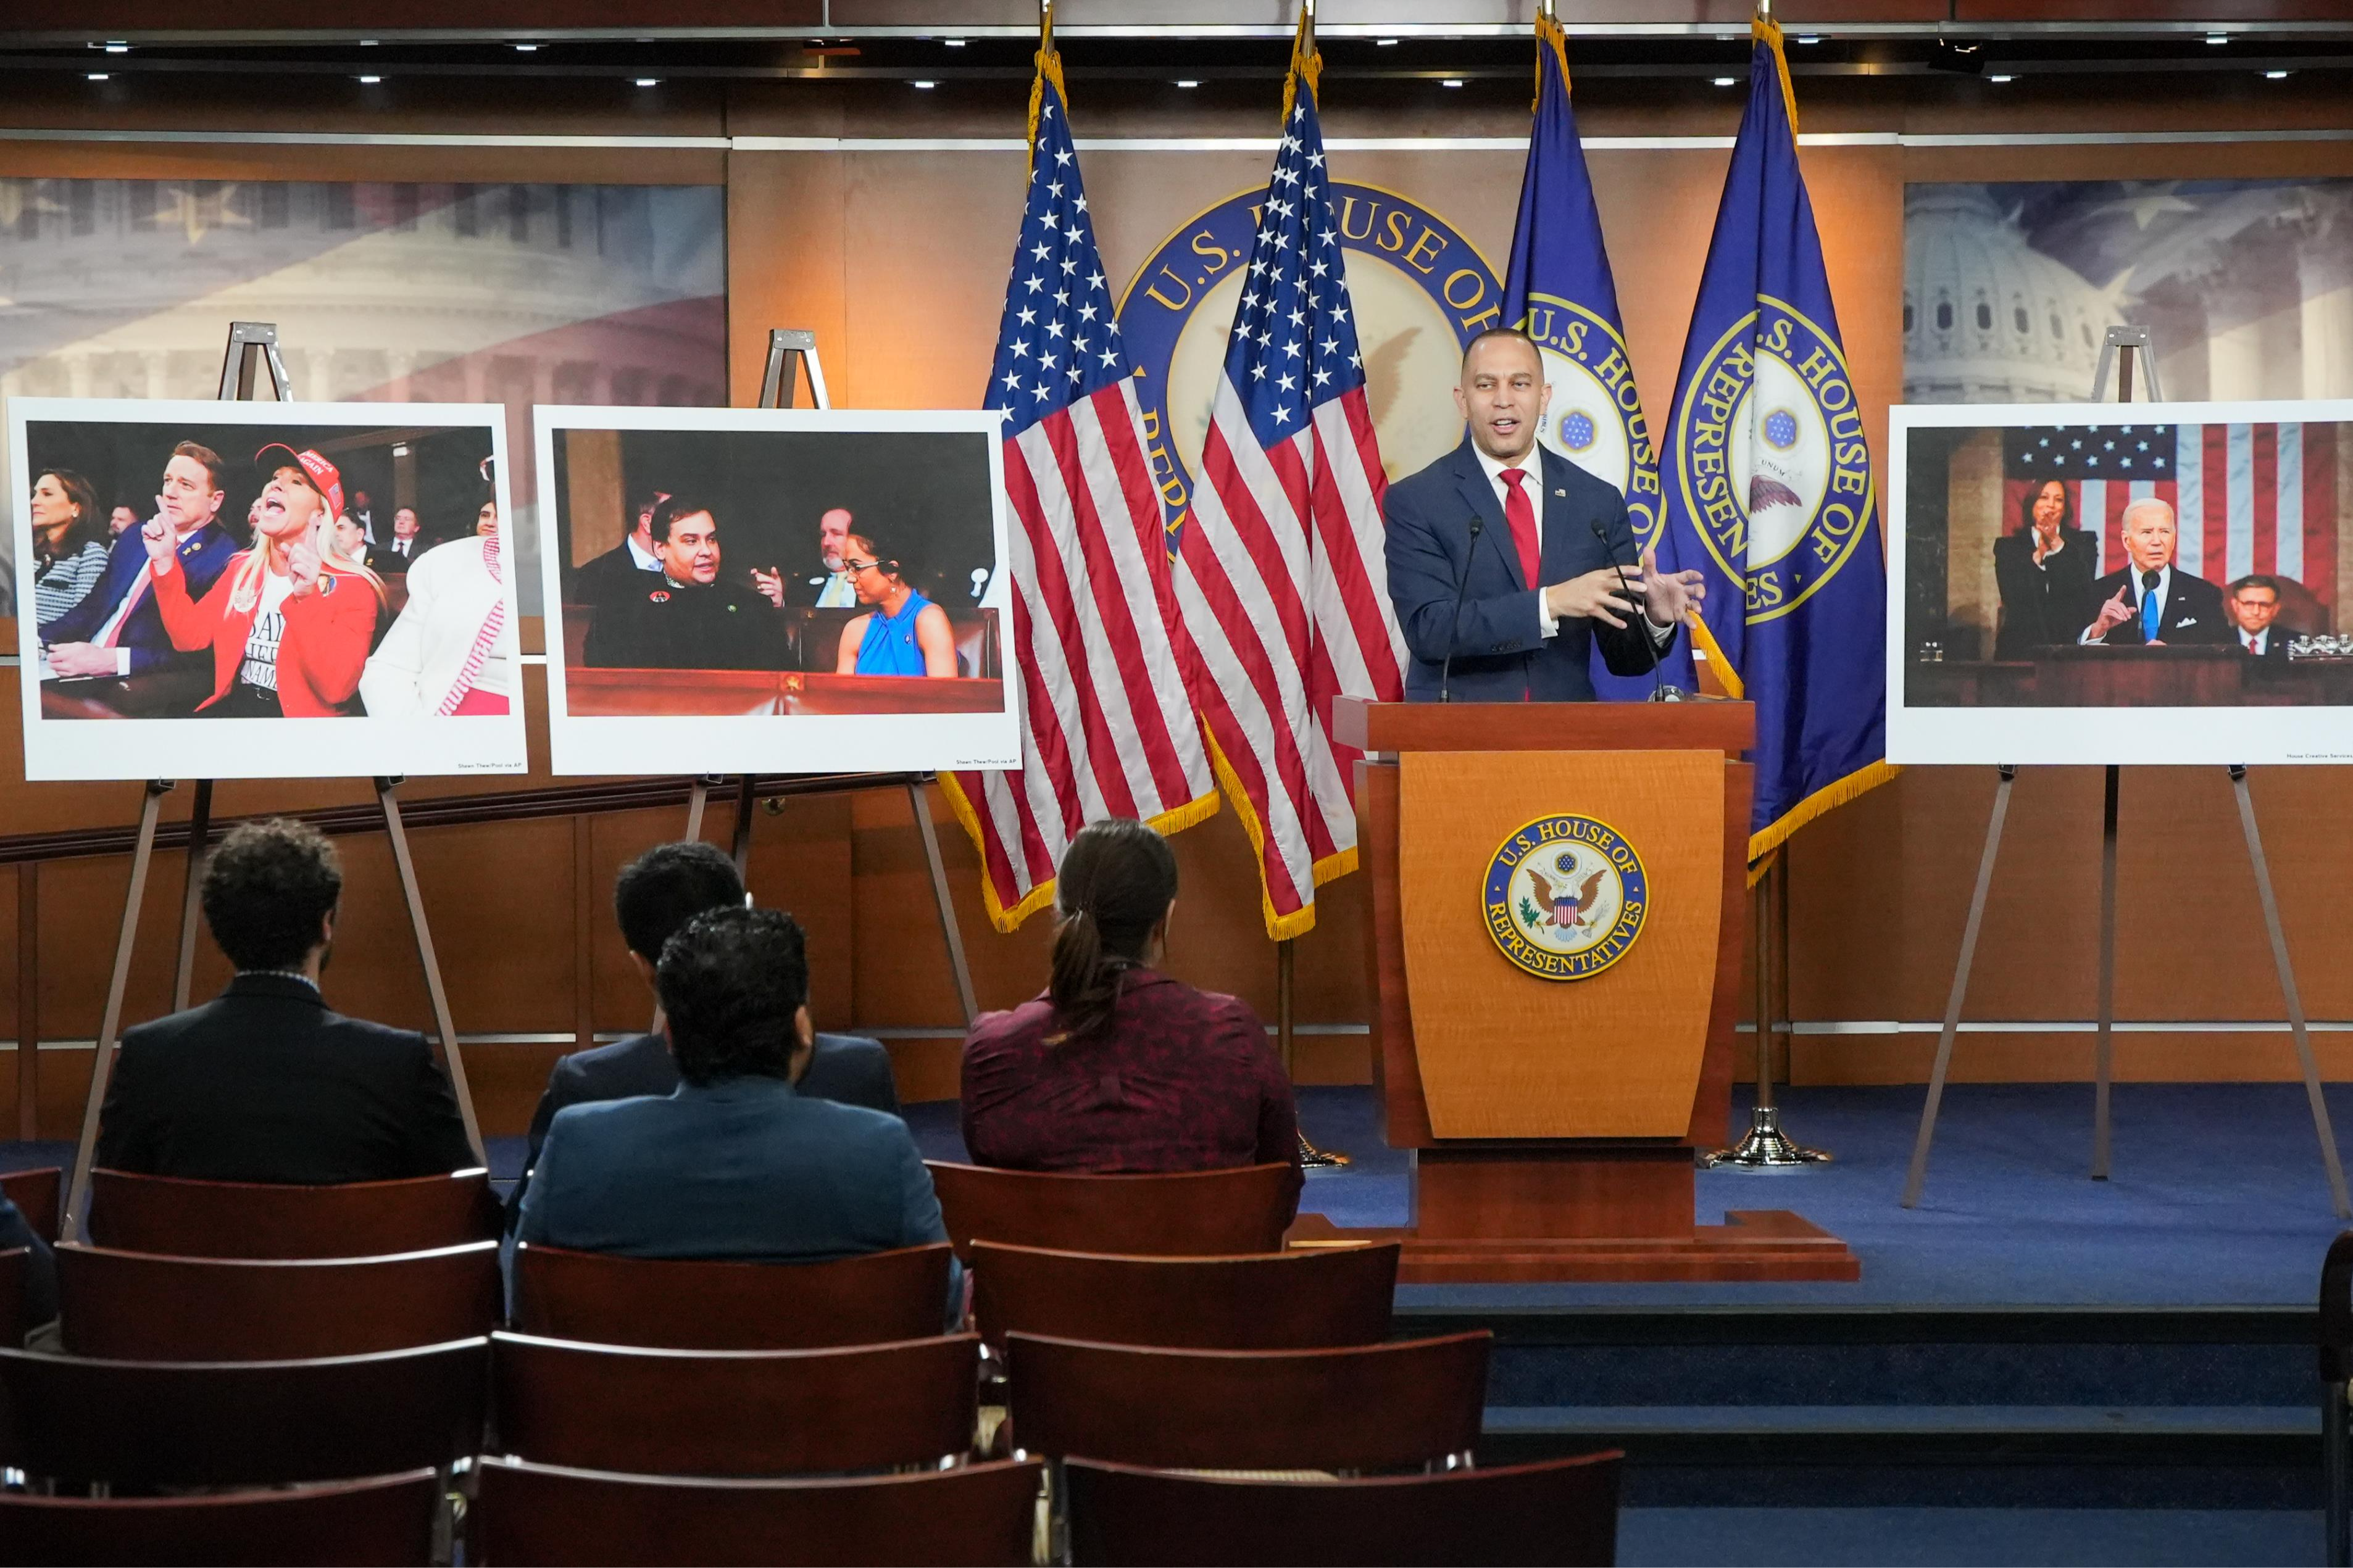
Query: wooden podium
x=1553, y=1123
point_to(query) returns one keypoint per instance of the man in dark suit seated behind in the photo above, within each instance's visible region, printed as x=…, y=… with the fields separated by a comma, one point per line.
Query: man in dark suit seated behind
x=1506, y=557
x=264, y=1083
x=654, y=897
x=734, y=1163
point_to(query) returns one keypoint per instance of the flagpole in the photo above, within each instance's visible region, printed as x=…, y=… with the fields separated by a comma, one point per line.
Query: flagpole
x=1286, y=961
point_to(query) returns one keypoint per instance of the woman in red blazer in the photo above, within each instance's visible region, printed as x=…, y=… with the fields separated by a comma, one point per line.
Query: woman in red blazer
x=1117, y=1067
x=289, y=622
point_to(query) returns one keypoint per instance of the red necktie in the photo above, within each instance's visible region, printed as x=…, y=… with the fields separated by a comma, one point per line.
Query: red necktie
x=1522, y=516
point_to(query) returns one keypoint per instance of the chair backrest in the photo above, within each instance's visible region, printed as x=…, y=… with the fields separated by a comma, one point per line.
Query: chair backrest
x=1296, y=1300
x=241, y=1423
x=260, y=1219
x=1375, y=1407
x=138, y=1306
x=1192, y=1214
x=733, y=1413
x=35, y=1194
x=13, y=1326
x=541, y=1513
x=386, y=1520
x=710, y=1306
x=1562, y=1511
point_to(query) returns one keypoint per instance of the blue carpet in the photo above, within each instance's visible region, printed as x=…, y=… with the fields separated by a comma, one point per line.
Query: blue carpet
x=2217, y=1197
x=1766, y=1537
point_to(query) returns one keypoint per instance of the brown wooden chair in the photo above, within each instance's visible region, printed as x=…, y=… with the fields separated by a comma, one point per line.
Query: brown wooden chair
x=733, y=1413
x=1377, y=1408
x=36, y=1194
x=1562, y=1511
x=139, y=1306
x=258, y=1219
x=1195, y=1213
x=710, y=1306
x=388, y=1520
x=1295, y=1301
x=544, y=1514
x=214, y=1423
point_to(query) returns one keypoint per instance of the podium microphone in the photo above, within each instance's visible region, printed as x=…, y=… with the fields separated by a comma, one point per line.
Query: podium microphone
x=1446, y=670
x=1659, y=690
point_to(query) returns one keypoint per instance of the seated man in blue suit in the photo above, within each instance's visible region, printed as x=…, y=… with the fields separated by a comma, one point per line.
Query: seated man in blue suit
x=735, y=1162
x=116, y=630
x=654, y=897
x=1506, y=557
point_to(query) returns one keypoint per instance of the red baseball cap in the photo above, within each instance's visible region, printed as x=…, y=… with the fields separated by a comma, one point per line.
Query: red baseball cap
x=327, y=479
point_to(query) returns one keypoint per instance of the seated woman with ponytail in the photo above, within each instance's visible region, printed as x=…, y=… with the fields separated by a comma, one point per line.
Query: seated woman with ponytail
x=1118, y=1067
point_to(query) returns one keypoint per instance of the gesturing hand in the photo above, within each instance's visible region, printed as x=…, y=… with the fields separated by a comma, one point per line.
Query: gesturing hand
x=302, y=565
x=156, y=535
x=771, y=585
x=1669, y=595
x=2113, y=613
x=1601, y=595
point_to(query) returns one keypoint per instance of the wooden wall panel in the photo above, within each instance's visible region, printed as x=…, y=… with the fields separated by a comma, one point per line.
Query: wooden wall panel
x=897, y=260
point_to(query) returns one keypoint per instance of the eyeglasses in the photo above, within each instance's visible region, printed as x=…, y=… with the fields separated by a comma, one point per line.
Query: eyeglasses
x=854, y=568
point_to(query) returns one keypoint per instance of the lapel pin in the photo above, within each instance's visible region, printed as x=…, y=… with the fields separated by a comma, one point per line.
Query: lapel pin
x=1560, y=492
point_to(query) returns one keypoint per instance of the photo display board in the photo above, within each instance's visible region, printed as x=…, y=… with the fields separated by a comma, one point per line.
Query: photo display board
x=2108, y=584
x=229, y=590
x=776, y=591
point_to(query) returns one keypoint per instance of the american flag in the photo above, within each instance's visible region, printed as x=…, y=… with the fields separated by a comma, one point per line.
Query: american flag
x=1284, y=599
x=1109, y=725
x=2248, y=498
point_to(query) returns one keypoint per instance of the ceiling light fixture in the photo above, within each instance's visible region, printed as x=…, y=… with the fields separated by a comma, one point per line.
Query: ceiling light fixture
x=649, y=81
x=2275, y=76
x=117, y=47
x=1385, y=43
x=925, y=86
x=2217, y=37
x=1725, y=81
x=98, y=76
x=953, y=43
x=2001, y=78
x=526, y=48
x=1452, y=81
x=370, y=81
x=1187, y=82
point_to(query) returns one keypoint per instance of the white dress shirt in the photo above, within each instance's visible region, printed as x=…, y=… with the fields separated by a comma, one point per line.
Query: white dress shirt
x=647, y=561
x=2256, y=642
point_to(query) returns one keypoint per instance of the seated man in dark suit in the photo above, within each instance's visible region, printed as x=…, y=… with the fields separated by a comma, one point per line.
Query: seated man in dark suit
x=734, y=1163
x=264, y=1083
x=655, y=896
x=2255, y=605
x=1506, y=558
x=40, y=1268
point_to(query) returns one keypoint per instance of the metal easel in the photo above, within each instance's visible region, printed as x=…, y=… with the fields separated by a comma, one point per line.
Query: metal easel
x=251, y=345
x=789, y=352
x=2120, y=348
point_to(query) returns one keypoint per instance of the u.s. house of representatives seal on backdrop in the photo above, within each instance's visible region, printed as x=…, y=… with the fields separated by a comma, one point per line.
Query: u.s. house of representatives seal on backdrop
x=1420, y=289
x=1773, y=466
x=1566, y=897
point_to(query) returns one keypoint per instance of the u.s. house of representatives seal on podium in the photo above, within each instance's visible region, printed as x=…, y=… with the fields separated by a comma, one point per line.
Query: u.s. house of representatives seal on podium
x=1566, y=897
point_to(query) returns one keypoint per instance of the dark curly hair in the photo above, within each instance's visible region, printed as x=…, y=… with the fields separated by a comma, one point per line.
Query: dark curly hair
x=268, y=887
x=669, y=509
x=668, y=886
x=730, y=982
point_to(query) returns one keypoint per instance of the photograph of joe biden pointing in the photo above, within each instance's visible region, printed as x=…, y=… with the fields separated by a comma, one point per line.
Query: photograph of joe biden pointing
x=1500, y=555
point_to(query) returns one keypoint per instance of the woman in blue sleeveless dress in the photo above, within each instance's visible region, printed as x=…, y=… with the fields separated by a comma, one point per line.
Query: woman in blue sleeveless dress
x=904, y=633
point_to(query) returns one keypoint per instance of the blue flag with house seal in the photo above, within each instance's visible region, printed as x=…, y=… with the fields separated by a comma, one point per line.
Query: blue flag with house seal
x=1769, y=483
x=1559, y=292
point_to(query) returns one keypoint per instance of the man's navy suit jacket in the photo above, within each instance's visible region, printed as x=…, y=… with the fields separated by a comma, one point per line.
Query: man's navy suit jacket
x=2193, y=610
x=1500, y=655
x=204, y=555
x=742, y=1168
x=848, y=1068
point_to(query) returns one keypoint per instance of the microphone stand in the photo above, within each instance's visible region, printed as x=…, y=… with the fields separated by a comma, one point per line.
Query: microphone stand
x=1446, y=670
x=1660, y=690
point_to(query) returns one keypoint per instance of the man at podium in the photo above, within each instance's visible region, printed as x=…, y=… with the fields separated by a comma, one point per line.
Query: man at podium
x=1507, y=564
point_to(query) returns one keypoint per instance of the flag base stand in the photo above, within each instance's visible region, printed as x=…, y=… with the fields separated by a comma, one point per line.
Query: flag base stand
x=1766, y=1148
x=1311, y=1158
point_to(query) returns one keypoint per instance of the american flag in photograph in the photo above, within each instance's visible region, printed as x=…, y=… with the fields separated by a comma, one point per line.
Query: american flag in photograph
x=2249, y=498
x=1109, y=728
x=1280, y=570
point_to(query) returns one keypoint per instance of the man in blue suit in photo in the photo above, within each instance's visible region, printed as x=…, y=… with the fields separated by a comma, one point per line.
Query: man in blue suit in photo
x=117, y=630
x=1514, y=562
x=735, y=1162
